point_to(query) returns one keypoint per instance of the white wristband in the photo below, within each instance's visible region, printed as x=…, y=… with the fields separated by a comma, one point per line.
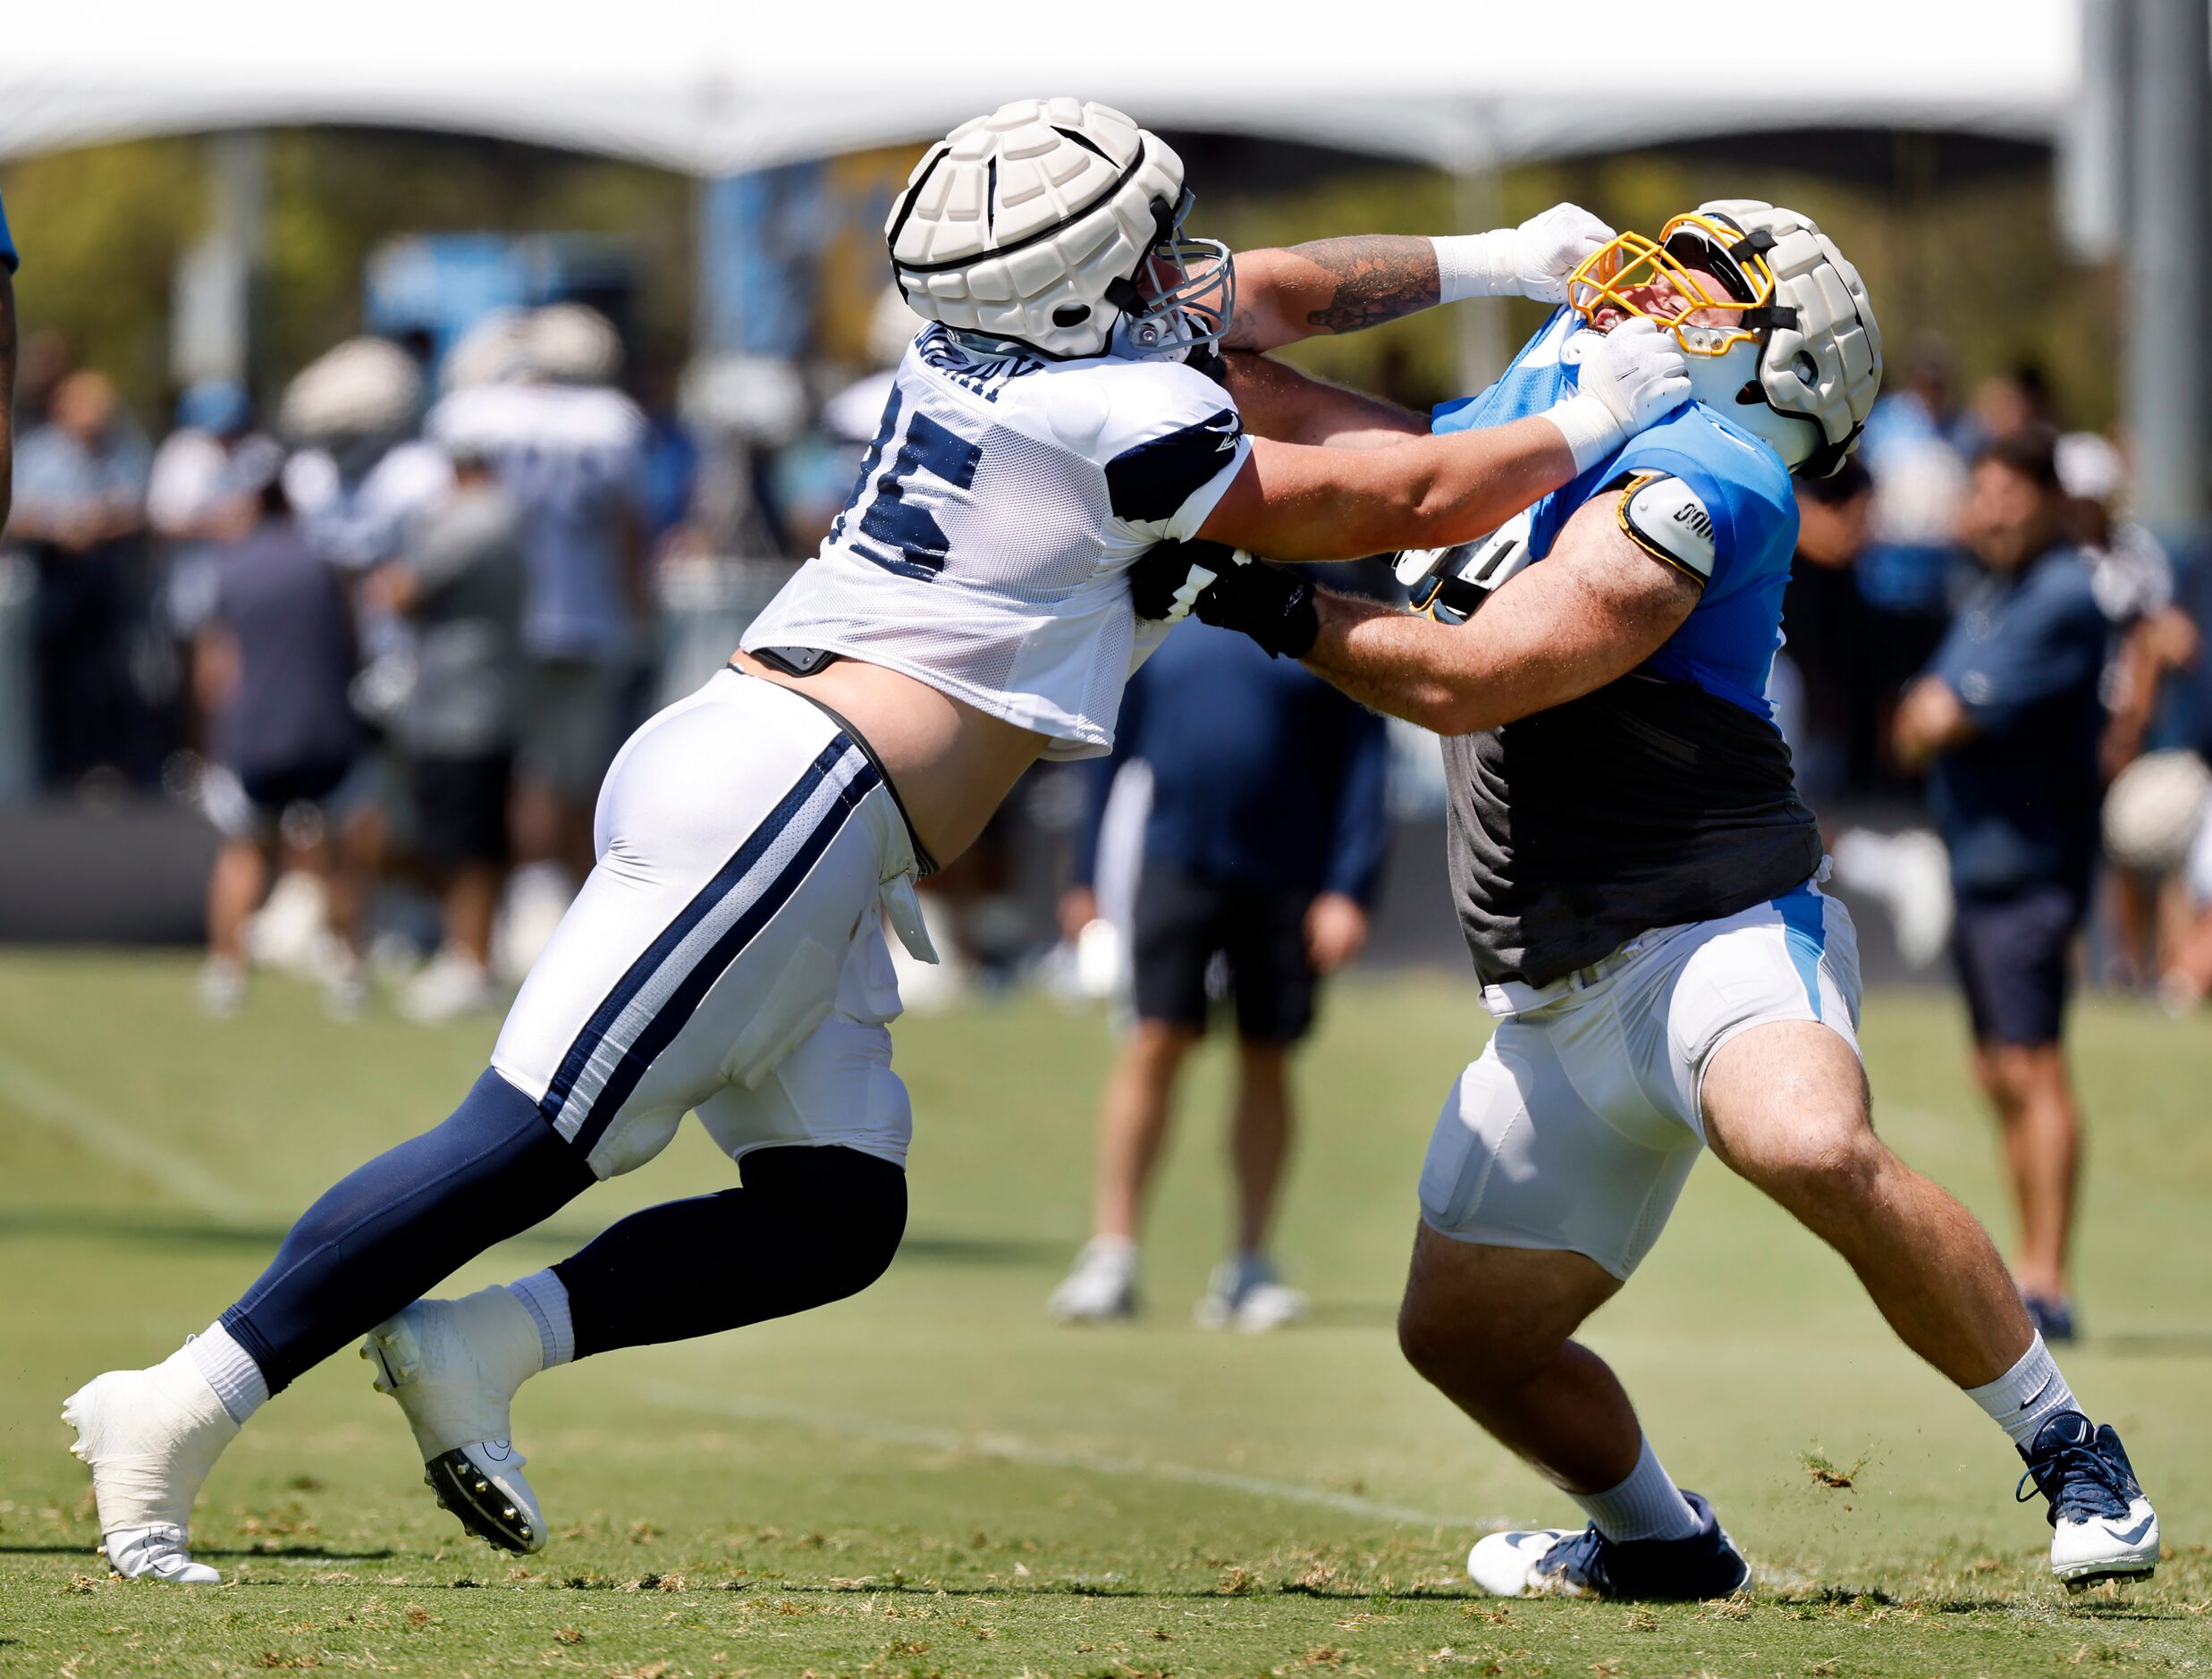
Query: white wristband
x=1592, y=430
x=1475, y=266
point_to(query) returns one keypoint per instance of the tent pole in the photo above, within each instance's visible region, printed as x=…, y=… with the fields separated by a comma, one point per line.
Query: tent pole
x=2169, y=350
x=211, y=327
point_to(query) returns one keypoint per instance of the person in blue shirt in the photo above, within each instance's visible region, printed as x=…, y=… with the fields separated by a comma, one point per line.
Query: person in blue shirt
x=1638, y=881
x=7, y=365
x=1263, y=846
x=2006, y=722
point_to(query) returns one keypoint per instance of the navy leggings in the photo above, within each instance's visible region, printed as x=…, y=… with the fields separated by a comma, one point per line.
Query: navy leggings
x=811, y=1225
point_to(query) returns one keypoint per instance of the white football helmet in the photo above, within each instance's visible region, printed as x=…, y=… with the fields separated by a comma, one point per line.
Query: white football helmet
x=1801, y=363
x=572, y=343
x=363, y=388
x=1058, y=224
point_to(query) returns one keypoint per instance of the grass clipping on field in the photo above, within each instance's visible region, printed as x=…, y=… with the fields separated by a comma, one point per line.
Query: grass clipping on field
x=1826, y=1471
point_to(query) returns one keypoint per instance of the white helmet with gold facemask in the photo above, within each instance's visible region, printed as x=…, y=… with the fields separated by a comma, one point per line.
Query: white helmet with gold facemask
x=1791, y=352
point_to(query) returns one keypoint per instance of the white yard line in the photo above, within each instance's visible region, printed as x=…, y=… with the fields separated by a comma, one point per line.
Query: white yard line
x=1013, y=1448
x=72, y=1117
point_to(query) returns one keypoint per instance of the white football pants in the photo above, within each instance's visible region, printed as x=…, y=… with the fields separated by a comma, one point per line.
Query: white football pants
x=726, y=953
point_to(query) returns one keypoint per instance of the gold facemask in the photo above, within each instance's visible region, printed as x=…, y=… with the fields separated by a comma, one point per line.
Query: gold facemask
x=1632, y=262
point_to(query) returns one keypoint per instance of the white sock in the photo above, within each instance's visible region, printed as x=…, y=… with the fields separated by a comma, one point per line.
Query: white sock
x=230, y=1370
x=2026, y=1396
x=1646, y=1505
x=546, y=1301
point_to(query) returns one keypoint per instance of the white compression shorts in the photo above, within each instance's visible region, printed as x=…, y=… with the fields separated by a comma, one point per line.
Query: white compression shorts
x=1577, y=1128
x=726, y=953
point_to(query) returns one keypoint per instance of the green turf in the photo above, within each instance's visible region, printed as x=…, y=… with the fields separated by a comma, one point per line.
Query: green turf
x=933, y=1478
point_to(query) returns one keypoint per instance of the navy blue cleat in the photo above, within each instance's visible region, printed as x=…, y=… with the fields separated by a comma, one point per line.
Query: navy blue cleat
x=2102, y=1527
x=1556, y=1562
x=2053, y=1317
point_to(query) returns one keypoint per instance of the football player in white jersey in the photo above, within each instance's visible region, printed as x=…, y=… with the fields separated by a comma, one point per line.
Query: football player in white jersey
x=968, y=614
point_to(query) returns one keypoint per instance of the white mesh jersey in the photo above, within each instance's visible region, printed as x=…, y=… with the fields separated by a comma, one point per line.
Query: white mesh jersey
x=1003, y=500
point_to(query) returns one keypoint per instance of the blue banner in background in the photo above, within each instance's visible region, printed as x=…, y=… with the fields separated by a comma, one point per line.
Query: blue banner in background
x=443, y=284
x=761, y=235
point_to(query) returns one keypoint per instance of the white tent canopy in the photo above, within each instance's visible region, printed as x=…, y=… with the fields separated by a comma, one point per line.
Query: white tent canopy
x=714, y=89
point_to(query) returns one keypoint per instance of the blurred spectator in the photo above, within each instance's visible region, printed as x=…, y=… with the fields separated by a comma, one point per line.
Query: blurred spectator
x=460, y=581
x=357, y=476
x=7, y=365
x=569, y=448
x=195, y=490
x=1263, y=850
x=1825, y=634
x=43, y=364
x=2011, y=404
x=2153, y=640
x=2187, y=978
x=2007, y=721
x=79, y=501
x=196, y=496
x=669, y=466
x=1914, y=449
x=272, y=662
x=2133, y=579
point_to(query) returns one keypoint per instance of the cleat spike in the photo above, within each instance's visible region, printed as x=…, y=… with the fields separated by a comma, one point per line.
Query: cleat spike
x=525, y=1533
x=483, y=1486
x=508, y=1514
x=427, y=1481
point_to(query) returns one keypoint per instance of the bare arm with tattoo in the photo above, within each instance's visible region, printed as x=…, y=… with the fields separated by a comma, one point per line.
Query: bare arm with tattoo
x=1340, y=285
x=1597, y=608
x=1281, y=403
x=1330, y=285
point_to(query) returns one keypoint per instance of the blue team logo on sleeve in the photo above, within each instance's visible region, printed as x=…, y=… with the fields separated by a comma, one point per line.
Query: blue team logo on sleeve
x=1152, y=481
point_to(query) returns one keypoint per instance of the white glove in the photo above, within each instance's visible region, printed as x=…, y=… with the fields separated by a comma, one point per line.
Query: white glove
x=1531, y=260
x=1631, y=378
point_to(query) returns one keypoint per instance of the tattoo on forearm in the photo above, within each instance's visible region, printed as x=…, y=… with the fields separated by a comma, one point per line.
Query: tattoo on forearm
x=1243, y=332
x=1378, y=277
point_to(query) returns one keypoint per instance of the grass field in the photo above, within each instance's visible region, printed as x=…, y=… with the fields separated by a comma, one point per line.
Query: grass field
x=932, y=1478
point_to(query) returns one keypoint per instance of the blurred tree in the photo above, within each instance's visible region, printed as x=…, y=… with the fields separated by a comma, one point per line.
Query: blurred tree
x=100, y=231
x=1975, y=259
x=102, y=228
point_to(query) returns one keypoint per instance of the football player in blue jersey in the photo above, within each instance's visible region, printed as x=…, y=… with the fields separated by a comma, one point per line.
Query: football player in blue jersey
x=1638, y=882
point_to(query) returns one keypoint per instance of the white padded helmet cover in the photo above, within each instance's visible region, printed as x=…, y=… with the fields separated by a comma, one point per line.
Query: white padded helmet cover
x=1030, y=213
x=1827, y=368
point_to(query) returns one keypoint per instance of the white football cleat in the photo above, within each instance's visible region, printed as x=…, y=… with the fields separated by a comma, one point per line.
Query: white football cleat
x=150, y=1437
x=1559, y=1563
x=1246, y=1293
x=2102, y=1527
x=1102, y=1285
x=454, y=1366
x=1510, y=1565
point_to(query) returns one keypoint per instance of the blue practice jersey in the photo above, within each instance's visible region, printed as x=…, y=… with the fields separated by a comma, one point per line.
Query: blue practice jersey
x=1728, y=643
x=1665, y=797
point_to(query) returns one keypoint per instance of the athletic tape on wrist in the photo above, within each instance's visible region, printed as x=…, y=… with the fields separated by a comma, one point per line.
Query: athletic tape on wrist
x=1474, y=266
x=1593, y=431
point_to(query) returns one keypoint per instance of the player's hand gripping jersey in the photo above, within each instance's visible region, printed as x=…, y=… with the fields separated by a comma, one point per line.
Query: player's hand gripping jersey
x=1665, y=797
x=998, y=507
